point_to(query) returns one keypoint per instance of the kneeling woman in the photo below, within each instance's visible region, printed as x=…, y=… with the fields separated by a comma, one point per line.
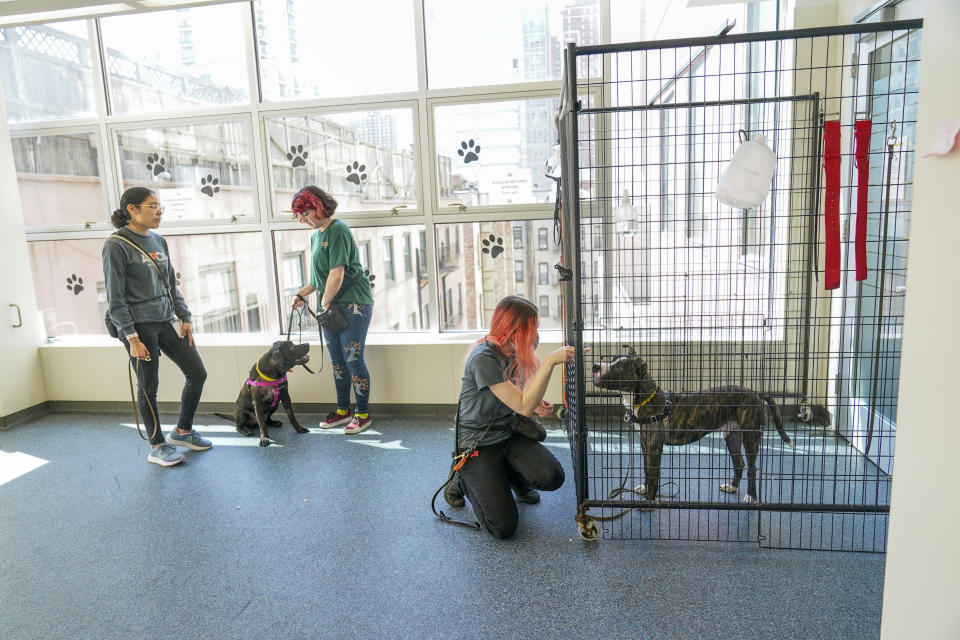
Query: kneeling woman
x=502, y=377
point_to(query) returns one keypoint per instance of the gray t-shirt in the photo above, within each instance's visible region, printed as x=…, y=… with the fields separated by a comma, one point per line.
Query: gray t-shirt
x=486, y=366
x=135, y=292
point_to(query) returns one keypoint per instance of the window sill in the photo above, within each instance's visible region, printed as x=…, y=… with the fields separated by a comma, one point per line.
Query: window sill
x=399, y=338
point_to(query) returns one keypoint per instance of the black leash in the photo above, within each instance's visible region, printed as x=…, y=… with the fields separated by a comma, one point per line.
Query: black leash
x=299, y=314
x=461, y=460
x=133, y=401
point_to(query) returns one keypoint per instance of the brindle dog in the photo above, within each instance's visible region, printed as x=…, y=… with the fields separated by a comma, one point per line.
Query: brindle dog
x=676, y=419
x=266, y=388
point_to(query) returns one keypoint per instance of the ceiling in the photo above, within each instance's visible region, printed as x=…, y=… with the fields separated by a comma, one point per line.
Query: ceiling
x=14, y=12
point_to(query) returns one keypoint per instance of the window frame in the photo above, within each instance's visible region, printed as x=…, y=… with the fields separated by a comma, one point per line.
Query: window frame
x=268, y=216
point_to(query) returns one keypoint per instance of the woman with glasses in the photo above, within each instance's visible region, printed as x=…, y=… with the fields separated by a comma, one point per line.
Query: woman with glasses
x=335, y=265
x=151, y=318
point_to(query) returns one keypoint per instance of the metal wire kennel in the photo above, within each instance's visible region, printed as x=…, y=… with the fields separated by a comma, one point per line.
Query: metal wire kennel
x=712, y=295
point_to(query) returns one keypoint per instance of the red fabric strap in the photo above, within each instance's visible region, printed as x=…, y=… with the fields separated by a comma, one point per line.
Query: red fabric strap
x=861, y=160
x=831, y=210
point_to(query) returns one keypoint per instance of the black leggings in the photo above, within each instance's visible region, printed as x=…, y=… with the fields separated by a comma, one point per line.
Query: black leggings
x=160, y=337
x=486, y=480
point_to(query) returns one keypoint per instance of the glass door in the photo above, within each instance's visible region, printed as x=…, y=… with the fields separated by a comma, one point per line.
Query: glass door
x=869, y=382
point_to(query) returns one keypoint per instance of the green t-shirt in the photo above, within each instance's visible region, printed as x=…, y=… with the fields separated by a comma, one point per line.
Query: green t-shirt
x=332, y=248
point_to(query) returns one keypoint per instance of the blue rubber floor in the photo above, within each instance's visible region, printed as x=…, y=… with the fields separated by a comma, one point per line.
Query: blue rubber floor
x=331, y=536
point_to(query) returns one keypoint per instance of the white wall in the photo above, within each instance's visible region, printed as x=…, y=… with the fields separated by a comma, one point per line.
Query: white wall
x=22, y=380
x=922, y=591
x=403, y=370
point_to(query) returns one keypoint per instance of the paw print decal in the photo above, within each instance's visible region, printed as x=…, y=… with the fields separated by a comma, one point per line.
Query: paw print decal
x=297, y=156
x=75, y=284
x=469, y=151
x=155, y=164
x=209, y=185
x=370, y=277
x=492, y=245
x=355, y=173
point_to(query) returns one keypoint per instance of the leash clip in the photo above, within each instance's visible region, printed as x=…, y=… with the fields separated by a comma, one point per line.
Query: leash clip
x=462, y=459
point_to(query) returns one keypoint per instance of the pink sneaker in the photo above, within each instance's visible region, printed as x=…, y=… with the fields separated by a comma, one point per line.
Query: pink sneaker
x=335, y=419
x=358, y=425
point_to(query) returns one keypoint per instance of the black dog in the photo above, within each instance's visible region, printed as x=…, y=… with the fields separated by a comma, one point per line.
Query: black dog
x=675, y=419
x=266, y=388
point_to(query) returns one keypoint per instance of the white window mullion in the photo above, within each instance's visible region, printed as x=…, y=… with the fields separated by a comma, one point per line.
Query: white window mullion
x=426, y=159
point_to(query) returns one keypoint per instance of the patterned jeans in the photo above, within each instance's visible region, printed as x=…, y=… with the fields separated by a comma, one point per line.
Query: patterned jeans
x=346, y=356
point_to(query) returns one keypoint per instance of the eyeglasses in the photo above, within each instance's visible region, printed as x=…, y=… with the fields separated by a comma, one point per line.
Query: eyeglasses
x=153, y=206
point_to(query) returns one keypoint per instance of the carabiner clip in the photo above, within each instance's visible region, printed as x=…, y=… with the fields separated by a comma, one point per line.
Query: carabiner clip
x=462, y=459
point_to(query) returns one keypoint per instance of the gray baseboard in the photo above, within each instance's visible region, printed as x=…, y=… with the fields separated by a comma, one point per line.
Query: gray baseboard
x=24, y=415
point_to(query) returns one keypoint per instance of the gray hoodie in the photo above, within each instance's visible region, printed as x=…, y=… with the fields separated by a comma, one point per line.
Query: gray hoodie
x=135, y=292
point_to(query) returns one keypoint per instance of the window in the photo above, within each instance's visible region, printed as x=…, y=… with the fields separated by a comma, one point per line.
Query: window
x=55, y=72
x=67, y=274
x=493, y=153
x=364, y=253
x=484, y=276
x=508, y=41
x=59, y=179
x=407, y=254
x=218, y=309
x=254, y=312
x=213, y=271
x=364, y=159
x=395, y=301
x=518, y=237
x=146, y=74
x=383, y=30
x=292, y=276
x=422, y=252
x=544, y=306
x=388, y=271
x=199, y=171
x=543, y=276
x=542, y=242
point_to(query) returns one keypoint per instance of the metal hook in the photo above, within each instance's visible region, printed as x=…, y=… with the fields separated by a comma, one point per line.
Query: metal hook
x=892, y=138
x=741, y=135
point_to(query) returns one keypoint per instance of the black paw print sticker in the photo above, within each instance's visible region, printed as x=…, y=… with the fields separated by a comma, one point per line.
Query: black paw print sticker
x=209, y=185
x=492, y=245
x=468, y=151
x=75, y=284
x=370, y=277
x=355, y=173
x=297, y=156
x=155, y=164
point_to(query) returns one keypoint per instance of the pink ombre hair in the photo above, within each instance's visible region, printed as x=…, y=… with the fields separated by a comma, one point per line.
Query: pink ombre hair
x=516, y=320
x=311, y=198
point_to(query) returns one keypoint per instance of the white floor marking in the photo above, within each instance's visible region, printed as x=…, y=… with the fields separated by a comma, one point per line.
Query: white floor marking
x=13, y=465
x=395, y=444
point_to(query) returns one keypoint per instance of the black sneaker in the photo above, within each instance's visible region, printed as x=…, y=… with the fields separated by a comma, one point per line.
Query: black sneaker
x=452, y=492
x=529, y=495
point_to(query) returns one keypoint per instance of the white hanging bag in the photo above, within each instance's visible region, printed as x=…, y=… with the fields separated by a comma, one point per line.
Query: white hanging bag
x=745, y=182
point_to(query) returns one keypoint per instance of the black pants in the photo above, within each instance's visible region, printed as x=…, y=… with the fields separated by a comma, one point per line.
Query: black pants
x=160, y=337
x=486, y=480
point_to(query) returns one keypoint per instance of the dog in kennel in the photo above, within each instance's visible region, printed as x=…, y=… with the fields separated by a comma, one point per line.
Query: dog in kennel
x=664, y=418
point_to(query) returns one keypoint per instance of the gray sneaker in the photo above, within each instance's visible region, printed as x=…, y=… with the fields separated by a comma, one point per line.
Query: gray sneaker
x=191, y=440
x=165, y=455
